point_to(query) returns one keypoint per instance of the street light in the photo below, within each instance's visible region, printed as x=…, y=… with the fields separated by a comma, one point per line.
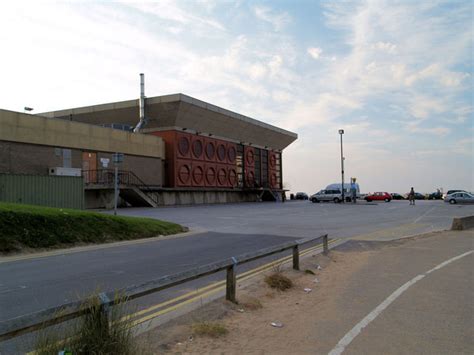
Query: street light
x=341, y=132
x=29, y=109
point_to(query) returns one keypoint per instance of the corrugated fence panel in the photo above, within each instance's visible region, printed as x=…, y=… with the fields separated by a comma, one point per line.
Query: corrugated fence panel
x=52, y=191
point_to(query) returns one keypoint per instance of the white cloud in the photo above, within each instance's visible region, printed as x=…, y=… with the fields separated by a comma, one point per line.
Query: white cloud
x=315, y=52
x=386, y=47
x=422, y=107
x=277, y=20
x=414, y=127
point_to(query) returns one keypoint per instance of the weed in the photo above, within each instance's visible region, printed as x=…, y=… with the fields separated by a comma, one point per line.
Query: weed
x=308, y=271
x=279, y=281
x=251, y=303
x=213, y=330
x=94, y=333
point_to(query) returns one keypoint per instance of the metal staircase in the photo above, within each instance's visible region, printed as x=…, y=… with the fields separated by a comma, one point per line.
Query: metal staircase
x=132, y=188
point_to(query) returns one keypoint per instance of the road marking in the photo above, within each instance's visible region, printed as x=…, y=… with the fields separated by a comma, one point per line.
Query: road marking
x=350, y=336
x=213, y=288
x=424, y=214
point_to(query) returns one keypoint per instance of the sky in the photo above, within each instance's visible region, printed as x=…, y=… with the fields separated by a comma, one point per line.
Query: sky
x=397, y=76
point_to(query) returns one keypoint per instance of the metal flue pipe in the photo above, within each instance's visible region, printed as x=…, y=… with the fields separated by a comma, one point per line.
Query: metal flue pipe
x=142, y=121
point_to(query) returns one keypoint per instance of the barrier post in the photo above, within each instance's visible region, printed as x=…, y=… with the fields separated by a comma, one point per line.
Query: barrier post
x=296, y=258
x=230, y=284
x=325, y=244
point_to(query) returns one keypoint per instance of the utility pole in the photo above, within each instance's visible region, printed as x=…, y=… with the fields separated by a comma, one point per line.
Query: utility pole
x=117, y=159
x=341, y=132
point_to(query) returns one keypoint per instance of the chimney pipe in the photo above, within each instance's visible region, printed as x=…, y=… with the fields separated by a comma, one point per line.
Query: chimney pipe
x=143, y=120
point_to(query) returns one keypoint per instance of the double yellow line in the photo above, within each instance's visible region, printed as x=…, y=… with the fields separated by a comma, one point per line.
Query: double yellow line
x=206, y=291
x=211, y=289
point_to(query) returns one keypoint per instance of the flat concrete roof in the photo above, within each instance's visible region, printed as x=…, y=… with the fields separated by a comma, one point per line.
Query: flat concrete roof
x=179, y=111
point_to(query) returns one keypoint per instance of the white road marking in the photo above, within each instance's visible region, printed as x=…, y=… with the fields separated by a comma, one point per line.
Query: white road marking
x=349, y=337
x=424, y=214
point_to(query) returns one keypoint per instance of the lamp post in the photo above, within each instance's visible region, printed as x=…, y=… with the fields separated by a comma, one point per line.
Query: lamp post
x=341, y=132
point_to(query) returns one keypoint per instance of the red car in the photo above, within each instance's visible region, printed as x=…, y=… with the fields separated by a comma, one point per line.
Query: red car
x=379, y=196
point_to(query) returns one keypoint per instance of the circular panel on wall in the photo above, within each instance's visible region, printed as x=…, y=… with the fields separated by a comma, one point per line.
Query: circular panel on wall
x=231, y=154
x=211, y=175
x=249, y=157
x=184, y=173
x=272, y=160
x=198, y=175
x=250, y=178
x=222, y=176
x=183, y=145
x=210, y=150
x=221, y=152
x=197, y=148
x=232, y=177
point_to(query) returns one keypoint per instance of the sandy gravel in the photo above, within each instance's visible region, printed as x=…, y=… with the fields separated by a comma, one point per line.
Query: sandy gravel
x=304, y=315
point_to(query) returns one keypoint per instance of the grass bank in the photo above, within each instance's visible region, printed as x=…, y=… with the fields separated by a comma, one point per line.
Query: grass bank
x=36, y=227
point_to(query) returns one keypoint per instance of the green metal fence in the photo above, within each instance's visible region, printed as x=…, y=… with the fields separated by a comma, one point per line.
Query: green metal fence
x=52, y=191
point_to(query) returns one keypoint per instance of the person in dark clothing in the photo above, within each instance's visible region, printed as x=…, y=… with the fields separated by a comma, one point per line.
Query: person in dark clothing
x=411, y=197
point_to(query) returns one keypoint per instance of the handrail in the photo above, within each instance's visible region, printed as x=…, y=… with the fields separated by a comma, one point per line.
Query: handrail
x=34, y=321
x=125, y=177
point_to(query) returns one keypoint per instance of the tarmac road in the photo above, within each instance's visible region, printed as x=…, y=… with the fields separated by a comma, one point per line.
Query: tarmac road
x=30, y=285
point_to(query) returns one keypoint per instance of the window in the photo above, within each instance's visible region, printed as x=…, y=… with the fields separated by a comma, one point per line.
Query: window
x=67, y=161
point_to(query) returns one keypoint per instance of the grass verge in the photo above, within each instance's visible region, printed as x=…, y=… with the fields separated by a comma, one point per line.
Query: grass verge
x=37, y=227
x=94, y=333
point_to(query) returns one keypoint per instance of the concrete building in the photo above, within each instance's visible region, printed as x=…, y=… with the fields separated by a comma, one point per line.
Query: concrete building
x=188, y=151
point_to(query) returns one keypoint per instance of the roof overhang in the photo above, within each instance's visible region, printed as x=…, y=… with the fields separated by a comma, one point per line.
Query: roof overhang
x=185, y=112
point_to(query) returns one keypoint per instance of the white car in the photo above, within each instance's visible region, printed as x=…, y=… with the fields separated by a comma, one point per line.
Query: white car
x=326, y=196
x=459, y=197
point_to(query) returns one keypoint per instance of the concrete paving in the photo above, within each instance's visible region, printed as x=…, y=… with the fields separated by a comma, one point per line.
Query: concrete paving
x=433, y=316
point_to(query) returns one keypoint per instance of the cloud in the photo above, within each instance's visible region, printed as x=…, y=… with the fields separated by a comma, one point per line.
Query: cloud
x=315, y=52
x=422, y=107
x=171, y=11
x=277, y=20
x=414, y=127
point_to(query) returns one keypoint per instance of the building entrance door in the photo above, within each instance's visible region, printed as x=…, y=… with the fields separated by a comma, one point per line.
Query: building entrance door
x=89, y=167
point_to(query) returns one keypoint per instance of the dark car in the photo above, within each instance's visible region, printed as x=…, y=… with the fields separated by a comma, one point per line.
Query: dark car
x=396, y=196
x=419, y=196
x=435, y=196
x=301, y=196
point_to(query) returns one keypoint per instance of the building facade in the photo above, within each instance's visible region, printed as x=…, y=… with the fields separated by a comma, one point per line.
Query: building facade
x=187, y=151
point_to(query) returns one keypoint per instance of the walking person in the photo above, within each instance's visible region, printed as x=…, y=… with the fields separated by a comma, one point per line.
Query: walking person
x=411, y=197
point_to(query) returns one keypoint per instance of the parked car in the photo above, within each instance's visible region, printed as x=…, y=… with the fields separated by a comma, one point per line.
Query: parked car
x=419, y=196
x=396, y=196
x=327, y=195
x=450, y=192
x=347, y=190
x=435, y=195
x=459, y=197
x=301, y=196
x=378, y=196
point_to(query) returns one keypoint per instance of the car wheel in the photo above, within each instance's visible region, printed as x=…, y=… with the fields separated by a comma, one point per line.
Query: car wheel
x=336, y=200
x=368, y=200
x=387, y=200
x=314, y=200
x=452, y=201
